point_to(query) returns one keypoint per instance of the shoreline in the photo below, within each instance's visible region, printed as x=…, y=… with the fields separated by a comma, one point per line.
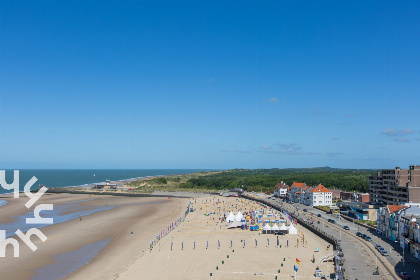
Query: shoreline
x=129, y=227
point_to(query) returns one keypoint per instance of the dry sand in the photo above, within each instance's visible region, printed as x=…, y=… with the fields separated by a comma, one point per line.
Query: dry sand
x=126, y=256
x=237, y=262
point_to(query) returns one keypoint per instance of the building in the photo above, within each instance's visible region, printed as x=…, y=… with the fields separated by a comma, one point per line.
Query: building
x=353, y=196
x=317, y=196
x=395, y=186
x=336, y=194
x=409, y=229
x=280, y=190
x=296, y=191
x=387, y=221
x=359, y=210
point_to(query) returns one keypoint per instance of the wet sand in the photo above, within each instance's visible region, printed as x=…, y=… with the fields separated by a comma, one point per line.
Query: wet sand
x=145, y=217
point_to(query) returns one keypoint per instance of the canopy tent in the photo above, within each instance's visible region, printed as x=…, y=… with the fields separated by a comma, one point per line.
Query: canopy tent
x=292, y=229
x=266, y=229
x=230, y=218
x=275, y=228
x=283, y=227
x=239, y=216
x=235, y=224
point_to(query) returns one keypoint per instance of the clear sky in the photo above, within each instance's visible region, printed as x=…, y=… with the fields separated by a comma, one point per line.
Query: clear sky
x=209, y=84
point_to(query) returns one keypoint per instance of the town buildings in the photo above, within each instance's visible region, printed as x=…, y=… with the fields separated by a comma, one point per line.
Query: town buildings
x=401, y=223
x=311, y=196
x=353, y=196
x=395, y=186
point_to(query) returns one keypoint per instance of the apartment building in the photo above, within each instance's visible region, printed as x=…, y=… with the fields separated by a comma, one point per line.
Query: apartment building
x=395, y=186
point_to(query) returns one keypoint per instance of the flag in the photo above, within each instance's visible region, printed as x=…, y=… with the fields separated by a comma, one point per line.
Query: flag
x=295, y=268
x=297, y=261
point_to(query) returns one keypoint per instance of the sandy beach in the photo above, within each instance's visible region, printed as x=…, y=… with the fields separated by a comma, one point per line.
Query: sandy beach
x=243, y=260
x=122, y=234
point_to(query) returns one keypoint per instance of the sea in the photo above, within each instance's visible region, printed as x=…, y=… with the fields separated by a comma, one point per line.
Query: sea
x=81, y=177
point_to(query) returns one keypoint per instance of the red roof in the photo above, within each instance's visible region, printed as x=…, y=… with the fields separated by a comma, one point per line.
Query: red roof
x=393, y=208
x=320, y=188
x=297, y=185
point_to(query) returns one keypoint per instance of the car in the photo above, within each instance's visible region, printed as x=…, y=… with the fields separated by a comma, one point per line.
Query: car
x=367, y=238
x=346, y=227
x=405, y=275
x=319, y=215
x=383, y=252
x=363, y=236
x=358, y=234
x=332, y=221
x=378, y=231
x=329, y=220
x=279, y=233
x=304, y=210
x=378, y=247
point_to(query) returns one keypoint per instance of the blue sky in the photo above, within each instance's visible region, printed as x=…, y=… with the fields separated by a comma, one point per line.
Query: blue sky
x=209, y=84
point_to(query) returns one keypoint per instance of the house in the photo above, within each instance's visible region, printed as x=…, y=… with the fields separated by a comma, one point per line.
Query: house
x=387, y=220
x=317, y=196
x=296, y=191
x=280, y=190
x=409, y=228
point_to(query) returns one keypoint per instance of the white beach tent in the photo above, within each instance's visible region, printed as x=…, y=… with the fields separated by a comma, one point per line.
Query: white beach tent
x=266, y=228
x=275, y=228
x=292, y=229
x=283, y=228
x=235, y=224
x=230, y=218
x=239, y=216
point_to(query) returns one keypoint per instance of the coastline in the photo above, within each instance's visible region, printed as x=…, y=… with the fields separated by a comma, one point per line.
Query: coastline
x=142, y=216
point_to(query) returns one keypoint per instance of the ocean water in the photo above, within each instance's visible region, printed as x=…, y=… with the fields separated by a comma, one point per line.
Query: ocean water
x=79, y=177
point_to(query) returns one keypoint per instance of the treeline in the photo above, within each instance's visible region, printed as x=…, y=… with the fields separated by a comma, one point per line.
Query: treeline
x=266, y=179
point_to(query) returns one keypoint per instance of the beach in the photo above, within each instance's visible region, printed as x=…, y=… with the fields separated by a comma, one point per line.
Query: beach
x=113, y=243
x=126, y=229
x=230, y=253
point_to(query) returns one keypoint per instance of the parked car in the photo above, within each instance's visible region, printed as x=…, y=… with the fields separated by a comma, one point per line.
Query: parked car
x=279, y=233
x=319, y=215
x=405, y=275
x=367, y=238
x=304, y=210
x=346, y=227
x=329, y=220
x=379, y=231
x=363, y=236
x=358, y=234
x=332, y=221
x=378, y=247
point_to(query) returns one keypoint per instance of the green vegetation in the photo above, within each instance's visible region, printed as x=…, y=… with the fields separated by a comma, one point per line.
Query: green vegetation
x=372, y=223
x=266, y=179
x=324, y=208
x=260, y=179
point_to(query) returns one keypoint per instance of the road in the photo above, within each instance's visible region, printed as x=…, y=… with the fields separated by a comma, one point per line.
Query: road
x=360, y=257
